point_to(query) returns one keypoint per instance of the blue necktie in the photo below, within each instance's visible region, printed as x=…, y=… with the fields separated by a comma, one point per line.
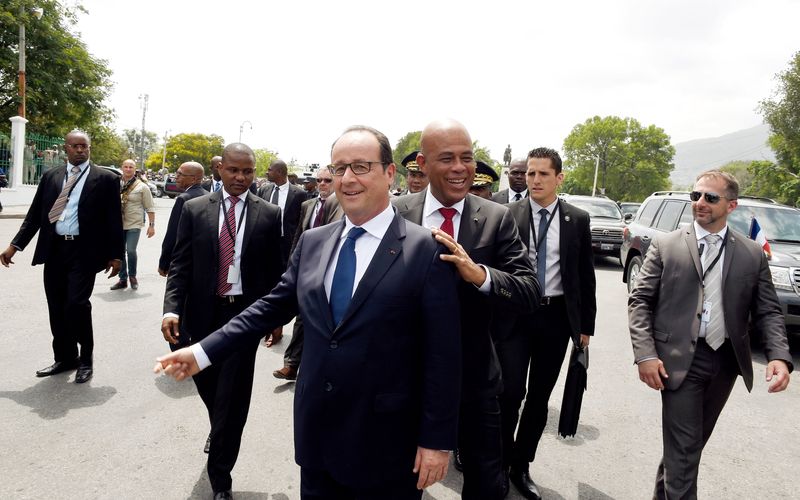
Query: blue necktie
x=344, y=275
x=541, y=251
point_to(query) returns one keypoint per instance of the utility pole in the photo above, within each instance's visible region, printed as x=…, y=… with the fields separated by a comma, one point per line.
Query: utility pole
x=164, y=158
x=145, y=98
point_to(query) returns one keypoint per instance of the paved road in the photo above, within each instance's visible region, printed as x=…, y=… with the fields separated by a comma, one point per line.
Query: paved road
x=128, y=434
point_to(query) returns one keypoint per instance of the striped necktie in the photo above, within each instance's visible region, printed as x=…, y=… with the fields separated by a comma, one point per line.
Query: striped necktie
x=63, y=197
x=712, y=291
x=227, y=246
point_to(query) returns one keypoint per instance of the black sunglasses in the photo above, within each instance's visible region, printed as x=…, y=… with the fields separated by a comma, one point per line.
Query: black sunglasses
x=712, y=198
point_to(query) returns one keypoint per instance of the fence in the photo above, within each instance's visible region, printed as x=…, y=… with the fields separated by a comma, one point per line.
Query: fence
x=41, y=153
x=5, y=154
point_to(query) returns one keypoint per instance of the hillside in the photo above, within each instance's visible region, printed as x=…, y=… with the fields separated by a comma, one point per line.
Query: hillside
x=693, y=157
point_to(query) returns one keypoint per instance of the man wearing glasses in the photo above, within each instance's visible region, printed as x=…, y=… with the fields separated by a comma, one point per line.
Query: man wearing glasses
x=688, y=319
x=314, y=213
x=376, y=403
x=188, y=178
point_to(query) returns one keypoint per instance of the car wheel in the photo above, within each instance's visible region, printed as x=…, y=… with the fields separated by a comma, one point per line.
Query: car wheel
x=633, y=271
x=160, y=193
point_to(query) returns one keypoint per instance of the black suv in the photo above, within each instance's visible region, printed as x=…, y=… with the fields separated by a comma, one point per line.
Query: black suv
x=665, y=211
x=605, y=221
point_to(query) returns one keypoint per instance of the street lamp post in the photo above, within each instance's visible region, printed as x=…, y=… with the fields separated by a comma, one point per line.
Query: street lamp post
x=37, y=13
x=241, y=128
x=164, y=157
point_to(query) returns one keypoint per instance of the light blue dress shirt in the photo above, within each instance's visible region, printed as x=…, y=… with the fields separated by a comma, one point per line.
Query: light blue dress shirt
x=70, y=223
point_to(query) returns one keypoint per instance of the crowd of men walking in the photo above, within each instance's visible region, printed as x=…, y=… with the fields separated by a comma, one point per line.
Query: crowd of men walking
x=432, y=322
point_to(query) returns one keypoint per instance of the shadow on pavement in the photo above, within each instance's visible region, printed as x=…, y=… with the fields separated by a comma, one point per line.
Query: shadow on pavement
x=119, y=295
x=587, y=492
x=53, y=397
x=202, y=489
x=585, y=432
x=286, y=386
x=174, y=389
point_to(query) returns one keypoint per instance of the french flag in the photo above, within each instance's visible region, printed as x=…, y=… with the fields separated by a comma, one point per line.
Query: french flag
x=757, y=235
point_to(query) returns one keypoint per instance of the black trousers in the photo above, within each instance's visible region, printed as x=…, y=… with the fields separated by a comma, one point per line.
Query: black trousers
x=689, y=414
x=539, y=340
x=294, y=351
x=319, y=485
x=68, y=286
x=225, y=388
x=481, y=448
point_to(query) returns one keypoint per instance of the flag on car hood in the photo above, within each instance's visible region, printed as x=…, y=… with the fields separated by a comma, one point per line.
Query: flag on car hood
x=757, y=235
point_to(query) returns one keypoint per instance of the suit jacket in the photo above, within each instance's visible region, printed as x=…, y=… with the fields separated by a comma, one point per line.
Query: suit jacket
x=171, y=235
x=665, y=307
x=490, y=237
x=99, y=218
x=503, y=198
x=192, y=281
x=576, y=262
x=383, y=381
x=291, y=213
x=207, y=186
x=333, y=212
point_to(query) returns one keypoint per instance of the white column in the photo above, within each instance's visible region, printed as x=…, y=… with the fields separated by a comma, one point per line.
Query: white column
x=17, y=149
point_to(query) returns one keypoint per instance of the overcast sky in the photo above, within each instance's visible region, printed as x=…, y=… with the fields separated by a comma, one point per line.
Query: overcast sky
x=514, y=72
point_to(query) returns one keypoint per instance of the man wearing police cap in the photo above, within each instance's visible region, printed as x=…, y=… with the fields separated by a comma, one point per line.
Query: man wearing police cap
x=485, y=176
x=416, y=179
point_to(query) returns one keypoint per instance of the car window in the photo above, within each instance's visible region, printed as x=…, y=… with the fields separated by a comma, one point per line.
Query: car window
x=668, y=219
x=687, y=217
x=648, y=211
x=778, y=223
x=597, y=208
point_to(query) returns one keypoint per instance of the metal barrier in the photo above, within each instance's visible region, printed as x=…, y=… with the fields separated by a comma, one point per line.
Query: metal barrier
x=5, y=155
x=41, y=153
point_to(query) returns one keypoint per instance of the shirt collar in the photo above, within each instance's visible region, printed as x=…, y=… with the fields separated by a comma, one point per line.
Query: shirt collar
x=512, y=192
x=225, y=194
x=536, y=207
x=82, y=166
x=376, y=226
x=701, y=232
x=434, y=205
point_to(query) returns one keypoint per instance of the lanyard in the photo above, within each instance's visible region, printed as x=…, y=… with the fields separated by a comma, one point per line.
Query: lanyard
x=716, y=259
x=542, y=236
x=66, y=177
x=227, y=224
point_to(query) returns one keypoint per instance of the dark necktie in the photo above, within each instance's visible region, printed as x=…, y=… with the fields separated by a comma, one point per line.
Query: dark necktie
x=227, y=245
x=447, y=225
x=517, y=197
x=320, y=214
x=274, y=199
x=217, y=185
x=541, y=250
x=61, y=202
x=712, y=291
x=344, y=275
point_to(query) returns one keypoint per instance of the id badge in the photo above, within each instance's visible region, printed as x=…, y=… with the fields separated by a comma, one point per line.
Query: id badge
x=233, y=274
x=706, y=311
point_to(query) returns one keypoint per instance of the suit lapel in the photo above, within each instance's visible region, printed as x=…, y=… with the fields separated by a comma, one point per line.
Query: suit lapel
x=413, y=207
x=212, y=214
x=566, y=235
x=324, y=262
x=471, y=226
x=690, y=237
x=730, y=252
x=253, y=209
x=388, y=250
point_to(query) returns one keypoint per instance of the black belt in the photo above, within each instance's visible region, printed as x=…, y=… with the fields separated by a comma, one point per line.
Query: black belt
x=550, y=300
x=67, y=237
x=226, y=300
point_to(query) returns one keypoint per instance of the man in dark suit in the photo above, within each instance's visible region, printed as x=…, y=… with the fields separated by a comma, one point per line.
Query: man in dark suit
x=314, y=213
x=495, y=276
x=697, y=291
x=214, y=184
x=187, y=178
x=76, y=212
x=559, y=244
x=517, y=189
x=226, y=256
x=279, y=191
x=378, y=395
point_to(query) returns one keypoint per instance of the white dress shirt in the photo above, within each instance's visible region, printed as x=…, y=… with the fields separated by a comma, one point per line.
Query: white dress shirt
x=553, y=285
x=431, y=217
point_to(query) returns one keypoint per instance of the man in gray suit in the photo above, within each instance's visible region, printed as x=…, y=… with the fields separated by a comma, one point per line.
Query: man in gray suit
x=688, y=325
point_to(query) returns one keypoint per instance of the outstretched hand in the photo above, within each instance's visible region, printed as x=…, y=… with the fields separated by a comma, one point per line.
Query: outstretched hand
x=179, y=365
x=469, y=270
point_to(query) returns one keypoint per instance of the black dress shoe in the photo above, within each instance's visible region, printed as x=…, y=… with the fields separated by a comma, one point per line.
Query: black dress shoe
x=223, y=495
x=57, y=367
x=457, y=463
x=84, y=374
x=521, y=479
x=207, y=447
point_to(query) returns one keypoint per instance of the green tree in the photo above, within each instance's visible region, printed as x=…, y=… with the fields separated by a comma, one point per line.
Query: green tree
x=782, y=114
x=404, y=147
x=108, y=147
x=133, y=143
x=741, y=170
x=633, y=160
x=66, y=86
x=188, y=147
x=264, y=157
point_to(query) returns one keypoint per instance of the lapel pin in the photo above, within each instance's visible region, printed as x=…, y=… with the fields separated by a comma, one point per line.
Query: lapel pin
x=475, y=219
x=392, y=251
x=566, y=218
